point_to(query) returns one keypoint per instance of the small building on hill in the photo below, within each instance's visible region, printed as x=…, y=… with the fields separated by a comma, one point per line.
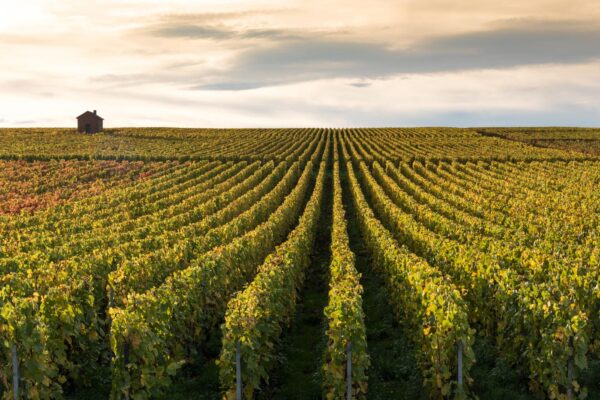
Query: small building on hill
x=89, y=122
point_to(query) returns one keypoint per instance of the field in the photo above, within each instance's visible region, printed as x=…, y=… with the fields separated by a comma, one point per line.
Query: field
x=576, y=139
x=449, y=263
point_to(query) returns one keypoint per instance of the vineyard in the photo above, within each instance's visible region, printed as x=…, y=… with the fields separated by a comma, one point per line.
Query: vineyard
x=379, y=263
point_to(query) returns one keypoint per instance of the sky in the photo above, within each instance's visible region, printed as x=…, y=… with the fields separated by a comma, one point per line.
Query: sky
x=292, y=63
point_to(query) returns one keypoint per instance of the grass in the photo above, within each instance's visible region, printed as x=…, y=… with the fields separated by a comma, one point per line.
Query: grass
x=394, y=373
x=298, y=375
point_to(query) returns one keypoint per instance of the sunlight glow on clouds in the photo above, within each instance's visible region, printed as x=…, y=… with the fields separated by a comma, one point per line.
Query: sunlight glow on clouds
x=300, y=63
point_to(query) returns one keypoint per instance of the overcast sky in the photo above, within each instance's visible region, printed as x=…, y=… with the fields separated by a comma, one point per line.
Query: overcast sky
x=233, y=63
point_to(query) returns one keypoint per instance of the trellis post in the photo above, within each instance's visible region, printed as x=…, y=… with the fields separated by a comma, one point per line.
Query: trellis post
x=460, y=366
x=125, y=362
x=570, y=370
x=349, y=371
x=238, y=372
x=16, y=378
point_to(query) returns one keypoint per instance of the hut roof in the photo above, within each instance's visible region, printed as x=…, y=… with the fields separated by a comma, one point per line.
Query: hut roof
x=89, y=113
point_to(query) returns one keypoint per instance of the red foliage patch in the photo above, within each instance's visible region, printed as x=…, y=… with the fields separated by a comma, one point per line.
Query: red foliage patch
x=28, y=186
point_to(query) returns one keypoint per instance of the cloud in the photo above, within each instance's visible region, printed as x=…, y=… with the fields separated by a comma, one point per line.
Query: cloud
x=178, y=29
x=360, y=84
x=217, y=17
x=187, y=31
x=237, y=86
x=220, y=26
x=192, y=31
x=289, y=61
